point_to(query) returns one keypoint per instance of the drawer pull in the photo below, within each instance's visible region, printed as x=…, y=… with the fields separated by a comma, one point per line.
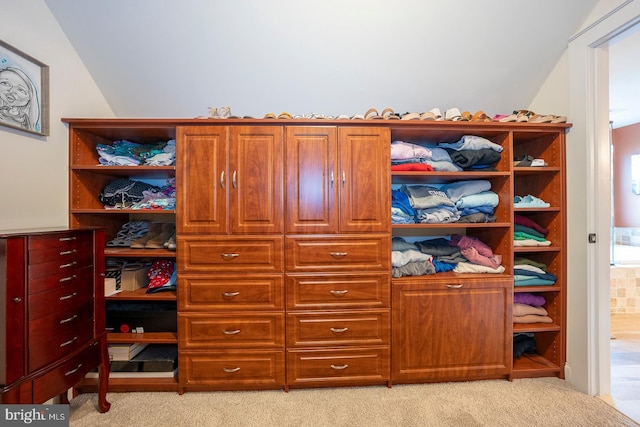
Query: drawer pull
x=66, y=343
x=338, y=293
x=234, y=180
x=66, y=297
x=339, y=330
x=71, y=264
x=222, y=179
x=338, y=254
x=229, y=255
x=73, y=371
x=66, y=279
x=73, y=251
x=331, y=179
x=454, y=286
x=339, y=367
x=233, y=332
x=67, y=239
x=230, y=294
x=230, y=370
x=17, y=299
x=68, y=319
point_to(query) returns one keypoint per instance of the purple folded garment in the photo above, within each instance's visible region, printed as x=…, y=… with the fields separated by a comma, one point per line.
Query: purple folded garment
x=527, y=298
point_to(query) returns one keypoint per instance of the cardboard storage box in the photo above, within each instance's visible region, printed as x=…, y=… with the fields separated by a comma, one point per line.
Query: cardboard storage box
x=134, y=277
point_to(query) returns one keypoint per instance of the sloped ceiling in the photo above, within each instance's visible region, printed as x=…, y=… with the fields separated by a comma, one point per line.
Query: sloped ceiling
x=167, y=58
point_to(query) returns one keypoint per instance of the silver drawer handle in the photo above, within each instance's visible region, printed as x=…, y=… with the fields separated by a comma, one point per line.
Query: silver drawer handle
x=68, y=296
x=66, y=343
x=222, y=179
x=233, y=332
x=338, y=254
x=71, y=264
x=337, y=293
x=68, y=319
x=230, y=294
x=454, y=286
x=66, y=279
x=230, y=370
x=339, y=367
x=73, y=371
x=229, y=255
x=66, y=239
x=339, y=330
x=68, y=252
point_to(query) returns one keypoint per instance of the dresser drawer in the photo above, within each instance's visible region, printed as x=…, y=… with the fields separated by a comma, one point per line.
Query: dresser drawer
x=232, y=369
x=338, y=253
x=63, y=299
x=323, y=291
x=63, y=241
x=60, y=321
x=66, y=375
x=224, y=293
x=70, y=265
x=328, y=367
x=44, y=352
x=198, y=254
x=79, y=253
x=257, y=330
x=61, y=277
x=369, y=327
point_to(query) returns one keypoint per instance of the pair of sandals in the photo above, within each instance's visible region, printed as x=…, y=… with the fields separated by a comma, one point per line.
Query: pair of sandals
x=129, y=233
x=527, y=116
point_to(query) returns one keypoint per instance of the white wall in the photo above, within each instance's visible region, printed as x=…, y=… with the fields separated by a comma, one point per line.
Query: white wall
x=34, y=169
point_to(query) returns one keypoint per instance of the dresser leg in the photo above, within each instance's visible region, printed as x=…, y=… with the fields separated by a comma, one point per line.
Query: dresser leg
x=103, y=370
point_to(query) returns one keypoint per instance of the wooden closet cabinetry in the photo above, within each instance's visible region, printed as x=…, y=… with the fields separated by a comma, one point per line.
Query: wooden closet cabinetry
x=337, y=246
x=230, y=257
x=451, y=329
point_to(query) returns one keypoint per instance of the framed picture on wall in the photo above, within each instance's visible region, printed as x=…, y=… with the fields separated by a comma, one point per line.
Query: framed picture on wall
x=24, y=91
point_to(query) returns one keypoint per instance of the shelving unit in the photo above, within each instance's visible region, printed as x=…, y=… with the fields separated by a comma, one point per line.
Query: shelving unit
x=256, y=209
x=87, y=179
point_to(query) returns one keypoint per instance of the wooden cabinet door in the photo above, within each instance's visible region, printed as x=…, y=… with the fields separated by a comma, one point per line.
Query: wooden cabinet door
x=311, y=180
x=451, y=330
x=364, y=179
x=202, y=179
x=256, y=176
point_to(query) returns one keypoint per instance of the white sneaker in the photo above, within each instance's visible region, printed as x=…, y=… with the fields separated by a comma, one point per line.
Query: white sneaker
x=452, y=114
x=436, y=112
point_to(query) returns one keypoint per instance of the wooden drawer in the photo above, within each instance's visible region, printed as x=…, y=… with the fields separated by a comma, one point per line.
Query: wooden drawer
x=369, y=327
x=68, y=240
x=232, y=369
x=68, y=265
x=79, y=253
x=61, y=278
x=62, y=299
x=332, y=367
x=66, y=375
x=60, y=321
x=257, y=330
x=338, y=253
x=48, y=351
x=324, y=291
x=197, y=254
x=224, y=293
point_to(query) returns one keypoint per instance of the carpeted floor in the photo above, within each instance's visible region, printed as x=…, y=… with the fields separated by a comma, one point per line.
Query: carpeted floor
x=526, y=402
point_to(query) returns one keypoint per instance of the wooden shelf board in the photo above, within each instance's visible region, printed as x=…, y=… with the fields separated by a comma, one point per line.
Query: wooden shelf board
x=147, y=337
x=111, y=251
x=120, y=385
x=535, y=327
x=414, y=226
x=533, y=365
x=142, y=295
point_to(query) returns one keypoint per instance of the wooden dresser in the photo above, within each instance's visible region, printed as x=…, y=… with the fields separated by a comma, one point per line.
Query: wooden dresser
x=52, y=309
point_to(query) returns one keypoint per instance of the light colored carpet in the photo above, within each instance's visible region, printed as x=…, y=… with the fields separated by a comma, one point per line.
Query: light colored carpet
x=525, y=402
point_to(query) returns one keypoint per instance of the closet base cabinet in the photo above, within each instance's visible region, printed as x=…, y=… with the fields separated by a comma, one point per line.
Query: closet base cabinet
x=52, y=309
x=452, y=329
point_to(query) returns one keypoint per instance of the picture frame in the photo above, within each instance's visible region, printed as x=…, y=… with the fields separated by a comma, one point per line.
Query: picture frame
x=24, y=91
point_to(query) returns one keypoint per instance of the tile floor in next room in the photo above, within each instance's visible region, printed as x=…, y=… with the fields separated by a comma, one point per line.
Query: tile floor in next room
x=625, y=364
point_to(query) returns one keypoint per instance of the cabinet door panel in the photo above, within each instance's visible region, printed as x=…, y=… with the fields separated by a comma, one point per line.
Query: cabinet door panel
x=447, y=332
x=256, y=180
x=202, y=179
x=311, y=180
x=364, y=179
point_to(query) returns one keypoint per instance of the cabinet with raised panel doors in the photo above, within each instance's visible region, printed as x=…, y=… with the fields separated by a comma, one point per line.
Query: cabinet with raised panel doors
x=337, y=256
